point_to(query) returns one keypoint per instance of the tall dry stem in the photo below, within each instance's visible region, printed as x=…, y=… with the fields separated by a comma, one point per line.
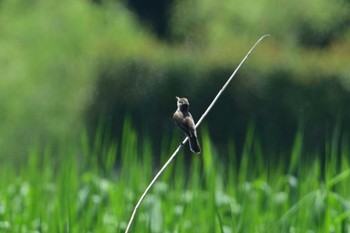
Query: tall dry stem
x=185, y=140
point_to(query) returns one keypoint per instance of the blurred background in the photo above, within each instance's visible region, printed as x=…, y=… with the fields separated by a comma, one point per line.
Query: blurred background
x=87, y=94
x=72, y=66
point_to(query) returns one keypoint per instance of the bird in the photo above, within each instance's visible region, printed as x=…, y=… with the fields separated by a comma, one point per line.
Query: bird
x=184, y=120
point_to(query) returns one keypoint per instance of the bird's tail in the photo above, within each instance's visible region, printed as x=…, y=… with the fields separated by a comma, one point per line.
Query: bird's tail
x=194, y=144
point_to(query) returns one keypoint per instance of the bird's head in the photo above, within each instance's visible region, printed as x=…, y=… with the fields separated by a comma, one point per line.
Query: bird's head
x=182, y=103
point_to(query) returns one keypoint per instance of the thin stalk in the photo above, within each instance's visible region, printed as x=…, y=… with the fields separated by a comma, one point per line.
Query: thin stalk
x=186, y=139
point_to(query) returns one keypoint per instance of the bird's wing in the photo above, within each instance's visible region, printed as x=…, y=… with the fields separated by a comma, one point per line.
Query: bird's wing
x=185, y=122
x=191, y=126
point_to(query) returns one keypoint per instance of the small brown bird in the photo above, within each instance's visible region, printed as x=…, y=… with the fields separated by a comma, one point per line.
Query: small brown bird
x=184, y=120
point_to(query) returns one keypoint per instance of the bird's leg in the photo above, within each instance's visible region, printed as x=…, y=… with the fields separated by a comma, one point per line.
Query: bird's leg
x=181, y=142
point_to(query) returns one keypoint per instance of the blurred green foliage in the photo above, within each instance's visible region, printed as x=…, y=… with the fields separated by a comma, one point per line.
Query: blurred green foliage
x=45, y=73
x=49, y=52
x=65, y=64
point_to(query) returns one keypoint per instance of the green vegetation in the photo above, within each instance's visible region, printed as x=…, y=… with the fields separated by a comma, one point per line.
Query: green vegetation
x=65, y=190
x=72, y=65
x=50, y=52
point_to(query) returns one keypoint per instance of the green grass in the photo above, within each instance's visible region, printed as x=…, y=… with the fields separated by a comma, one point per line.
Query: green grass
x=63, y=189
